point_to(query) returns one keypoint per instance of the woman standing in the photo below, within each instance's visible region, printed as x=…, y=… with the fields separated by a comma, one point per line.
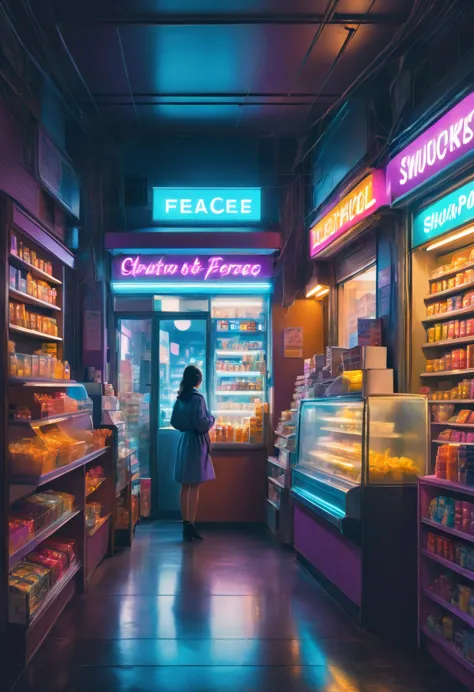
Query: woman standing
x=193, y=460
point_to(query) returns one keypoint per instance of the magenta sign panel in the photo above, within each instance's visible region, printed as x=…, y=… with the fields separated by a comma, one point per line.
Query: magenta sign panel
x=449, y=140
x=238, y=268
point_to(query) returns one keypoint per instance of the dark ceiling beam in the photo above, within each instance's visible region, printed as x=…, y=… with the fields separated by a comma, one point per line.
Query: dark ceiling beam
x=216, y=104
x=212, y=95
x=229, y=19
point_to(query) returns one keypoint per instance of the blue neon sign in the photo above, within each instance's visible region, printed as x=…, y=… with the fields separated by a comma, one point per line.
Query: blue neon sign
x=448, y=213
x=206, y=205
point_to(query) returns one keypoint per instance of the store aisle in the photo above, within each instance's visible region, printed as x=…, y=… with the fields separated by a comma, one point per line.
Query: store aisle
x=233, y=613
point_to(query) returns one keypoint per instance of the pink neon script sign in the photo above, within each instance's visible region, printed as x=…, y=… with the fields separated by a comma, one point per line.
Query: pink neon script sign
x=444, y=143
x=193, y=268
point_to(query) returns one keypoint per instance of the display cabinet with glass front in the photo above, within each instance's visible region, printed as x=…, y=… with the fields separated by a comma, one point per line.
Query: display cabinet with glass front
x=346, y=442
x=239, y=400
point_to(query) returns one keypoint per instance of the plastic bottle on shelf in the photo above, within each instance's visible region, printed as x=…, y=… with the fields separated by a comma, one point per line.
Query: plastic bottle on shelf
x=67, y=371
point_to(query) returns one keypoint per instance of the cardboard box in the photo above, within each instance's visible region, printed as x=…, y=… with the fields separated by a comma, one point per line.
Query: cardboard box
x=369, y=332
x=334, y=359
x=365, y=358
x=377, y=382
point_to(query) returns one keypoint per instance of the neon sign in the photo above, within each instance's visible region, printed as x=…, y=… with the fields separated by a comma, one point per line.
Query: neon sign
x=449, y=140
x=336, y=220
x=206, y=205
x=192, y=268
x=448, y=213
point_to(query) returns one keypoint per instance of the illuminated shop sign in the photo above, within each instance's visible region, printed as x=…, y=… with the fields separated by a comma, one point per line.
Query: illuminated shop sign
x=444, y=143
x=448, y=213
x=206, y=205
x=362, y=201
x=155, y=272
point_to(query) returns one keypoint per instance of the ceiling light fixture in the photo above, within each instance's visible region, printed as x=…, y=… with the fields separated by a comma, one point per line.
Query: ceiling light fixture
x=451, y=238
x=313, y=290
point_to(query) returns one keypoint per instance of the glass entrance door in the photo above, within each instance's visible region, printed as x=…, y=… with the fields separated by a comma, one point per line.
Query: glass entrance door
x=182, y=340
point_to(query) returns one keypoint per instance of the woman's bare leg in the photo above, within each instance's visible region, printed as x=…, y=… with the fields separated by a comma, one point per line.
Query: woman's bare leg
x=184, y=501
x=193, y=502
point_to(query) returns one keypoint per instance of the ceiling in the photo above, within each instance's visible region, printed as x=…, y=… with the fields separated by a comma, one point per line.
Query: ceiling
x=268, y=67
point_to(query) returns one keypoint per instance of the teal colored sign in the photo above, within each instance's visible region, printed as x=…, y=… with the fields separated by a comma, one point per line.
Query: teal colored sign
x=448, y=213
x=206, y=205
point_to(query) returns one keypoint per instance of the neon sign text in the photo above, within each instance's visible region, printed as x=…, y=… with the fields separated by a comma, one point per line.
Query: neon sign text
x=450, y=212
x=200, y=268
x=441, y=145
x=339, y=218
x=206, y=205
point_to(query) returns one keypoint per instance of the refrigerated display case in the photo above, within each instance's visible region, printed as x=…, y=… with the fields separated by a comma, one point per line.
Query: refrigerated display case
x=239, y=387
x=355, y=494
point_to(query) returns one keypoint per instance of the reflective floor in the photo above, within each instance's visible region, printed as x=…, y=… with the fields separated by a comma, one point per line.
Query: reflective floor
x=234, y=613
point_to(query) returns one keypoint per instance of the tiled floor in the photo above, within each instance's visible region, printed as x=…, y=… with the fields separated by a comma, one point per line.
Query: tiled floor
x=234, y=613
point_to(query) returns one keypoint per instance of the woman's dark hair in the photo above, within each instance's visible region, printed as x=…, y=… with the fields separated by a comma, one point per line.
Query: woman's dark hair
x=192, y=377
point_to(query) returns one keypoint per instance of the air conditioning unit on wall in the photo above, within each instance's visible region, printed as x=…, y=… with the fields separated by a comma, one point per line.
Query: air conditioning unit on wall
x=56, y=173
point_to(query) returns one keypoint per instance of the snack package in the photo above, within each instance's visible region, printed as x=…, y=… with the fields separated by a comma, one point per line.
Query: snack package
x=458, y=515
x=448, y=514
x=466, y=516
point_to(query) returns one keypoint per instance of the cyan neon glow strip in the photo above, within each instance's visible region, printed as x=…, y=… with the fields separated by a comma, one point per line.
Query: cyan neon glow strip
x=191, y=287
x=206, y=205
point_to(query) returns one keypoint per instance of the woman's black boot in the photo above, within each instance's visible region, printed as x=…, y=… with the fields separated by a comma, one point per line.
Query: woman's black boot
x=196, y=536
x=187, y=532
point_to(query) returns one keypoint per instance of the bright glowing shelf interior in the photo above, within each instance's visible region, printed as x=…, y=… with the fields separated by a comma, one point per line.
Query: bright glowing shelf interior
x=239, y=354
x=242, y=373
x=233, y=412
x=239, y=392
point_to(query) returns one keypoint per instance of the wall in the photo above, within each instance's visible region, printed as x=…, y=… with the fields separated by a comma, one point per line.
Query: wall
x=306, y=313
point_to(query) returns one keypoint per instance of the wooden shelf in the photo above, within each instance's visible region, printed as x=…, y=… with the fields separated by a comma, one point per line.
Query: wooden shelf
x=31, y=300
x=40, y=537
x=449, y=649
x=448, y=485
x=448, y=373
x=34, y=271
x=467, y=574
x=433, y=402
x=453, y=444
x=41, y=382
x=446, y=529
x=33, y=333
x=454, y=425
x=450, y=342
x=91, y=492
x=443, y=316
x=50, y=420
x=99, y=524
x=276, y=462
x=128, y=454
x=450, y=291
x=453, y=272
x=57, y=473
x=276, y=482
x=54, y=592
x=447, y=606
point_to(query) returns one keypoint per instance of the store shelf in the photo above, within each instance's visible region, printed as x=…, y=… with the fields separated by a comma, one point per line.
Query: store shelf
x=341, y=431
x=443, y=316
x=448, y=373
x=467, y=574
x=453, y=272
x=273, y=504
x=51, y=420
x=128, y=454
x=449, y=649
x=447, y=606
x=238, y=354
x=54, y=592
x=276, y=462
x=31, y=300
x=243, y=373
x=40, y=537
x=233, y=412
x=446, y=529
x=433, y=402
x=450, y=342
x=99, y=524
x=34, y=271
x=33, y=333
x=276, y=482
x=286, y=436
x=453, y=444
x=448, y=485
x=91, y=492
x=57, y=473
x=450, y=291
x=41, y=382
x=239, y=392
x=454, y=425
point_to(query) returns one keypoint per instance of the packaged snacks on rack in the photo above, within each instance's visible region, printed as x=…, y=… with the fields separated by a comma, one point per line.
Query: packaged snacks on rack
x=31, y=457
x=21, y=531
x=28, y=584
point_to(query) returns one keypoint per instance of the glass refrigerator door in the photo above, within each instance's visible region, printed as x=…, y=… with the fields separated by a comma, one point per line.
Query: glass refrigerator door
x=239, y=351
